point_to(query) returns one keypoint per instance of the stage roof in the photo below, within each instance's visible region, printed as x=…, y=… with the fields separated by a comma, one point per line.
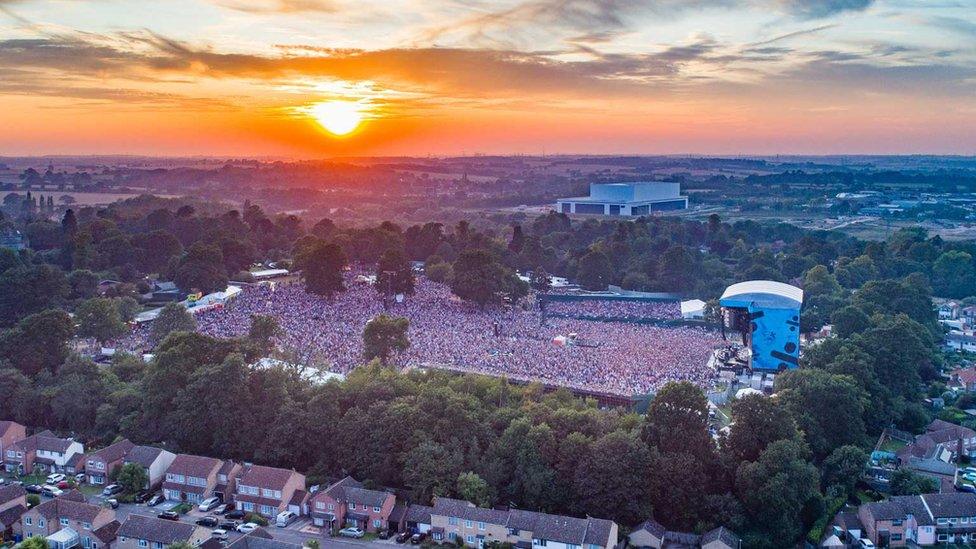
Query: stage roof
x=764, y=293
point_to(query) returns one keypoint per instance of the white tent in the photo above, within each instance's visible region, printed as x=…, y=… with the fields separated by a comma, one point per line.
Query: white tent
x=833, y=541
x=747, y=391
x=693, y=308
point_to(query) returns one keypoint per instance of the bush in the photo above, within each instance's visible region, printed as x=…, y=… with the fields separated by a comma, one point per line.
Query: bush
x=33, y=500
x=256, y=519
x=438, y=272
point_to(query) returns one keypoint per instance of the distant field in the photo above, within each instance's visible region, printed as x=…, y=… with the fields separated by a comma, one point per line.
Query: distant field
x=89, y=199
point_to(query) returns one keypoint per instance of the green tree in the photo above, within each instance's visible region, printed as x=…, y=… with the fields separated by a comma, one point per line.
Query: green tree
x=34, y=542
x=83, y=283
x=954, y=275
x=99, y=318
x=385, y=335
x=201, y=268
x=612, y=478
x=757, y=422
x=477, y=276
x=848, y=321
x=778, y=491
x=430, y=469
x=132, y=477
x=540, y=281
x=263, y=331
x=321, y=265
x=828, y=408
x=173, y=318
x=844, y=467
x=677, y=421
x=904, y=482
x=38, y=343
x=394, y=275
x=595, y=271
x=473, y=488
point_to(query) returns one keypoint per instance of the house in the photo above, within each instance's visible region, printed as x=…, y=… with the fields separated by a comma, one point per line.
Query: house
x=10, y=432
x=941, y=440
x=963, y=380
x=960, y=342
x=348, y=503
x=925, y=520
x=260, y=539
x=67, y=521
x=43, y=452
x=100, y=464
x=459, y=521
x=13, y=504
x=154, y=462
x=417, y=518
x=968, y=314
x=267, y=490
x=949, y=310
x=106, y=535
x=227, y=480
x=651, y=534
x=140, y=532
x=191, y=478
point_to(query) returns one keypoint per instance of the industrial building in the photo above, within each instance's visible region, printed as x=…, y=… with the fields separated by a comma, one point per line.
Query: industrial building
x=767, y=314
x=626, y=199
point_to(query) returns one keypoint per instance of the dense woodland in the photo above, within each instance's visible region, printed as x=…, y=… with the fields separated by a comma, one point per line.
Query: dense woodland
x=786, y=465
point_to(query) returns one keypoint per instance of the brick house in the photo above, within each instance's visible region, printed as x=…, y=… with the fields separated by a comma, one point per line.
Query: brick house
x=67, y=521
x=191, y=478
x=348, y=503
x=964, y=379
x=460, y=521
x=100, y=464
x=154, y=462
x=650, y=534
x=13, y=504
x=926, y=520
x=955, y=439
x=10, y=432
x=227, y=480
x=44, y=452
x=267, y=490
x=261, y=539
x=139, y=532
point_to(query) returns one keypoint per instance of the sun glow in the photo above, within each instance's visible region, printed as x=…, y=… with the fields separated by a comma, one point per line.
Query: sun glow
x=337, y=117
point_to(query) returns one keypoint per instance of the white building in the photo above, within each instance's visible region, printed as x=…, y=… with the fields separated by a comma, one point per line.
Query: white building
x=626, y=199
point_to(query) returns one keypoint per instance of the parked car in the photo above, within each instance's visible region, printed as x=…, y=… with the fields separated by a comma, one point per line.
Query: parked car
x=403, y=537
x=111, y=490
x=383, y=534
x=64, y=485
x=208, y=521
x=33, y=489
x=80, y=478
x=112, y=502
x=236, y=515
x=285, y=518
x=417, y=538
x=55, y=478
x=247, y=527
x=155, y=500
x=169, y=515
x=352, y=532
x=230, y=524
x=223, y=508
x=219, y=534
x=142, y=497
x=208, y=504
x=51, y=491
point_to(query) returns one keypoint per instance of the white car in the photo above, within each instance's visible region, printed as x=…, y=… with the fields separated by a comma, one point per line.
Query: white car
x=219, y=534
x=51, y=491
x=55, y=478
x=247, y=527
x=285, y=518
x=208, y=504
x=352, y=532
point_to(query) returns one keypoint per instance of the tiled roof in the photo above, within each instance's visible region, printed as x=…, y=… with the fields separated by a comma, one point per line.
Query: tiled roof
x=260, y=539
x=272, y=478
x=951, y=505
x=10, y=492
x=5, y=426
x=298, y=497
x=364, y=496
x=654, y=527
x=115, y=452
x=598, y=532
x=63, y=507
x=45, y=440
x=721, y=534
x=193, y=466
x=155, y=529
x=9, y=517
x=108, y=531
x=143, y=455
x=419, y=514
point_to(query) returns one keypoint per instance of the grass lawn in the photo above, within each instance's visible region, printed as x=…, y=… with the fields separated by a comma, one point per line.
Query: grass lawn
x=892, y=445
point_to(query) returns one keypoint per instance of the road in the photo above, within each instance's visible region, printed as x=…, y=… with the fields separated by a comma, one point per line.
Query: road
x=293, y=533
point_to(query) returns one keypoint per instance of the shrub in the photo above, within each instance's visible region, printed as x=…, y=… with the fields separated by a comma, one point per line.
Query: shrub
x=256, y=519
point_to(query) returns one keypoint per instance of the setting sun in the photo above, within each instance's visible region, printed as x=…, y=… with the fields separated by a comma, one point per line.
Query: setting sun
x=338, y=117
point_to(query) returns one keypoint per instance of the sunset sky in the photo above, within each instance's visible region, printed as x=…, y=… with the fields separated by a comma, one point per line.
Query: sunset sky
x=241, y=77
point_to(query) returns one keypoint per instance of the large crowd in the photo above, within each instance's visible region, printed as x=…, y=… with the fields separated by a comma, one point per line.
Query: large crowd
x=614, y=309
x=614, y=357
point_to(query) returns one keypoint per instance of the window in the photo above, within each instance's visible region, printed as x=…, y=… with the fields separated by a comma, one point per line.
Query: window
x=377, y=523
x=953, y=520
x=267, y=493
x=30, y=534
x=332, y=507
x=594, y=546
x=896, y=522
x=100, y=466
x=964, y=520
x=86, y=525
x=157, y=545
x=481, y=526
x=452, y=536
x=277, y=494
x=539, y=542
x=248, y=506
x=438, y=536
x=571, y=546
x=467, y=524
x=352, y=506
x=942, y=521
x=122, y=538
x=513, y=531
x=40, y=523
x=86, y=542
x=173, y=477
x=143, y=543
x=470, y=538
x=94, y=545
x=452, y=521
x=222, y=477
x=365, y=507
x=28, y=521
x=895, y=537
x=267, y=510
x=376, y=509
x=943, y=537
x=319, y=505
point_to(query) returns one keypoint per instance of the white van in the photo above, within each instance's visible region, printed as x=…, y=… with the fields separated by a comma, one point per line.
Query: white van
x=285, y=518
